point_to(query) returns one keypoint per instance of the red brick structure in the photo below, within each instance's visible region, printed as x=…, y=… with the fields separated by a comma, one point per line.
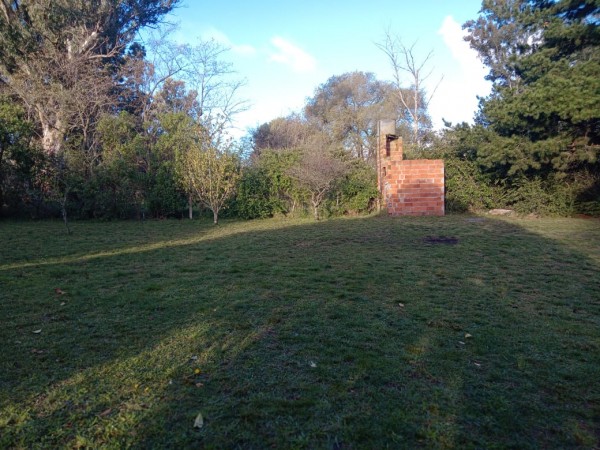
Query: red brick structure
x=407, y=187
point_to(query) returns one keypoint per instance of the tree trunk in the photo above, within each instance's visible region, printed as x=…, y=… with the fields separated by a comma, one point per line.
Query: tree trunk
x=63, y=207
x=1, y=177
x=416, y=114
x=190, y=207
x=315, y=205
x=216, y=216
x=52, y=134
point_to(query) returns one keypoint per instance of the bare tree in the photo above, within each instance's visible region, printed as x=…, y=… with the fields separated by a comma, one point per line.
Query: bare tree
x=165, y=61
x=415, y=101
x=208, y=77
x=317, y=170
x=217, y=87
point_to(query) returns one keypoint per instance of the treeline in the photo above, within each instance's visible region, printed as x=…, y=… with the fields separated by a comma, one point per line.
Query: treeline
x=94, y=124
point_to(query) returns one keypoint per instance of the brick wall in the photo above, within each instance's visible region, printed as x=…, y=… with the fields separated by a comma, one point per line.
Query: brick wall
x=409, y=187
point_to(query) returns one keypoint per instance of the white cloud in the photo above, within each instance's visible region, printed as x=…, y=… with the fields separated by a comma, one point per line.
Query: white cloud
x=272, y=102
x=453, y=36
x=456, y=98
x=219, y=36
x=291, y=55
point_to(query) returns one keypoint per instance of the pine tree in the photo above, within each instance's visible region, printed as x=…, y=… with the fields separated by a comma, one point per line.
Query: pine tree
x=544, y=60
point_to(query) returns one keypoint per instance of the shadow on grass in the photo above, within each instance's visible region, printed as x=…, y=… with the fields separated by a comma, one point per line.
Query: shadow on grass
x=341, y=334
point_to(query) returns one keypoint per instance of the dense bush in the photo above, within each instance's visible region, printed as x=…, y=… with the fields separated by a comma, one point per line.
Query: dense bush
x=255, y=199
x=475, y=183
x=165, y=198
x=356, y=192
x=467, y=189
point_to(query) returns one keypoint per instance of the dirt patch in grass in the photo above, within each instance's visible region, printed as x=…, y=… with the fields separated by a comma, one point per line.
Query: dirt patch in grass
x=449, y=240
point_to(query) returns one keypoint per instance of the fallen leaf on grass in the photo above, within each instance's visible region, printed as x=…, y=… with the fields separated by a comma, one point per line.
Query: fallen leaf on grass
x=313, y=364
x=467, y=335
x=59, y=291
x=37, y=352
x=105, y=413
x=401, y=305
x=199, y=422
x=37, y=331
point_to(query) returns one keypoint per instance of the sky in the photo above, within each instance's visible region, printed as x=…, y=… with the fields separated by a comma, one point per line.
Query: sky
x=285, y=49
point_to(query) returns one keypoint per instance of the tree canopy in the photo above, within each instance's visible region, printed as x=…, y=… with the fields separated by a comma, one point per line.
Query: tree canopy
x=348, y=107
x=50, y=48
x=544, y=60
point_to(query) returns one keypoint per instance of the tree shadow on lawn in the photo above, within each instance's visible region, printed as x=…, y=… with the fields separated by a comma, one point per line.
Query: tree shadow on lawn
x=332, y=335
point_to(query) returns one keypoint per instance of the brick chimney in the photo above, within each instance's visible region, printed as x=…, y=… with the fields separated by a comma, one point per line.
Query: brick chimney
x=407, y=187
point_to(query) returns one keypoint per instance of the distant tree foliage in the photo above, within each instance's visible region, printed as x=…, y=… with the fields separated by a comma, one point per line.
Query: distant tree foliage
x=348, y=107
x=280, y=133
x=96, y=125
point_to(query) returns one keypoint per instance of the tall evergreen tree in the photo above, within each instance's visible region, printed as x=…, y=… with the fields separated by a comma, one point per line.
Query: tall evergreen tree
x=544, y=60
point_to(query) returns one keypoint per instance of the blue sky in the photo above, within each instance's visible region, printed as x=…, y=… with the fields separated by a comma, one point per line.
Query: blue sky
x=286, y=49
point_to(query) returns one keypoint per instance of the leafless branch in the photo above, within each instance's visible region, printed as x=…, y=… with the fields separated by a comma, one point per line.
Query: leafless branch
x=402, y=59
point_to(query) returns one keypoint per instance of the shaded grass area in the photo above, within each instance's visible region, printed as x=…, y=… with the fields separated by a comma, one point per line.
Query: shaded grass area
x=451, y=332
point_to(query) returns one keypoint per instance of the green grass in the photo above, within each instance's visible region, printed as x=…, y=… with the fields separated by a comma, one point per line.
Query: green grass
x=350, y=333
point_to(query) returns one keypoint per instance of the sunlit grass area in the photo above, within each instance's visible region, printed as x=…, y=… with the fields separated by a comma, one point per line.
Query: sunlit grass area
x=452, y=332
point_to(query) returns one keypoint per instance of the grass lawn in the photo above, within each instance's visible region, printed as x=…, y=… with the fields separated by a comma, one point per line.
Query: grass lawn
x=452, y=332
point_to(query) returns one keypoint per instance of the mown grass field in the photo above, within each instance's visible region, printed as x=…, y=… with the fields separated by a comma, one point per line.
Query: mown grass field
x=453, y=332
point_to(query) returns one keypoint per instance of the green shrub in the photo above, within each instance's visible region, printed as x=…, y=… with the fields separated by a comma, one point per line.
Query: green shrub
x=164, y=197
x=541, y=197
x=558, y=195
x=356, y=192
x=467, y=189
x=254, y=198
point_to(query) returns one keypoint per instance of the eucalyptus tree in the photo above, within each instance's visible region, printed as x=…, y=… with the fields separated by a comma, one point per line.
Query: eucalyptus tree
x=49, y=48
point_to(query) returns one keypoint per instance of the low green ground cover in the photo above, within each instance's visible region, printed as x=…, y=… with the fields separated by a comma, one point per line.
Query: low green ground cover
x=453, y=332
